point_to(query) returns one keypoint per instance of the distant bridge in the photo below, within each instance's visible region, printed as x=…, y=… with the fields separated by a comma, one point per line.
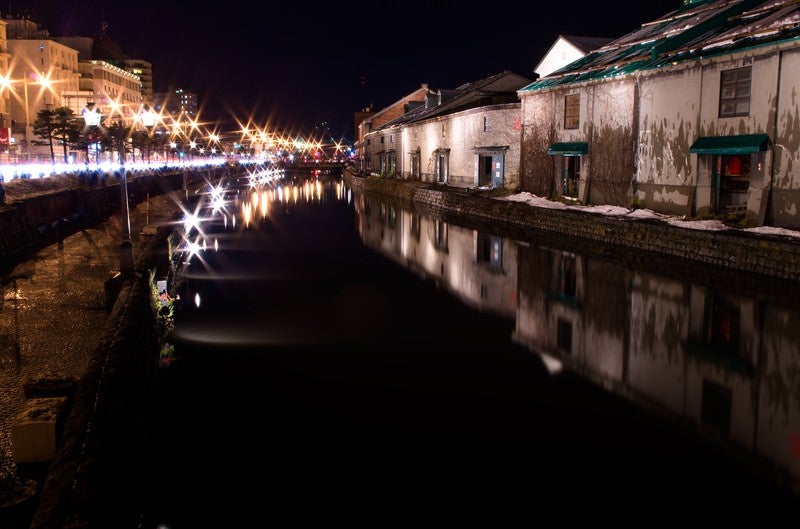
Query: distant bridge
x=326, y=167
x=315, y=165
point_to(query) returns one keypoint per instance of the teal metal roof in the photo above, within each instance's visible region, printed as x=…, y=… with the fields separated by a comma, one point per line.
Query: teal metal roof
x=695, y=30
x=742, y=144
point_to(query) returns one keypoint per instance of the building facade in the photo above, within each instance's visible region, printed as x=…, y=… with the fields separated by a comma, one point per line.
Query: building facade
x=374, y=120
x=467, y=137
x=41, y=72
x=693, y=114
x=144, y=71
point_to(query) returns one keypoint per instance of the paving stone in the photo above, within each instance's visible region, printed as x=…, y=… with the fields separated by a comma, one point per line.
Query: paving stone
x=36, y=428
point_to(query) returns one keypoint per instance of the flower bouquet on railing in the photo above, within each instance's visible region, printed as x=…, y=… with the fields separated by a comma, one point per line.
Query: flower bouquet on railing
x=164, y=307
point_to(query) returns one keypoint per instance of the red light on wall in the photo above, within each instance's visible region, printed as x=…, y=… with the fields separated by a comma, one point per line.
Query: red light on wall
x=794, y=444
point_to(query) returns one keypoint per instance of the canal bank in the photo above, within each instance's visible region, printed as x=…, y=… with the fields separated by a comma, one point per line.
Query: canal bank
x=89, y=485
x=731, y=251
x=69, y=317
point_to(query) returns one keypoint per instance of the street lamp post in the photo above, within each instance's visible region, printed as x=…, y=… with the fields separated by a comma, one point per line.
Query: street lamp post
x=27, y=121
x=126, y=258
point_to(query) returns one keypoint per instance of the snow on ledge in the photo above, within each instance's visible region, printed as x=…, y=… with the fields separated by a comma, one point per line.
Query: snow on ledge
x=619, y=211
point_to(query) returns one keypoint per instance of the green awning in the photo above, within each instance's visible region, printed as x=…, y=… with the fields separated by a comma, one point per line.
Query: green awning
x=570, y=148
x=743, y=144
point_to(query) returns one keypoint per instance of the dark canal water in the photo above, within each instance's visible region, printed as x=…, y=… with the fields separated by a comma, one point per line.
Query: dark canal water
x=343, y=360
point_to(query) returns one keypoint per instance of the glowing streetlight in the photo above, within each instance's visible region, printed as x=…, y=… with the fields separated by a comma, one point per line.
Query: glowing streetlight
x=148, y=119
x=44, y=83
x=92, y=118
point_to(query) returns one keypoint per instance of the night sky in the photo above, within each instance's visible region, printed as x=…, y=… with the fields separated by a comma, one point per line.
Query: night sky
x=298, y=65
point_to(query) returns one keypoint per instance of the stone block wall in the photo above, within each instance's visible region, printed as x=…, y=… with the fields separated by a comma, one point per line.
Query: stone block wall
x=733, y=250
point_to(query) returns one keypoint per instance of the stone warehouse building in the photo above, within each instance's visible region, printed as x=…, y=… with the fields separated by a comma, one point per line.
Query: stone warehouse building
x=466, y=137
x=469, y=136
x=695, y=114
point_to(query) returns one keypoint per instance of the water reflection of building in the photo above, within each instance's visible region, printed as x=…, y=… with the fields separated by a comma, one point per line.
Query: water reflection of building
x=565, y=314
x=480, y=268
x=725, y=365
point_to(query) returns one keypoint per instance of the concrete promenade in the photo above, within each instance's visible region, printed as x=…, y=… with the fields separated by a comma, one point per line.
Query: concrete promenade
x=55, y=320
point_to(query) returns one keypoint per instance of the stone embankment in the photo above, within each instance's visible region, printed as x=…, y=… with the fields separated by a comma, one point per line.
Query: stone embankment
x=108, y=402
x=37, y=212
x=733, y=250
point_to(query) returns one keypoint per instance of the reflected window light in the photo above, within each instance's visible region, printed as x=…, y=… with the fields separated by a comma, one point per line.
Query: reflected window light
x=264, y=208
x=246, y=213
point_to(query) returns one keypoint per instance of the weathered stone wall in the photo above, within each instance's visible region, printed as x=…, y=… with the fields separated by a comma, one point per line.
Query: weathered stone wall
x=537, y=170
x=27, y=224
x=611, y=144
x=733, y=250
x=785, y=203
x=113, y=390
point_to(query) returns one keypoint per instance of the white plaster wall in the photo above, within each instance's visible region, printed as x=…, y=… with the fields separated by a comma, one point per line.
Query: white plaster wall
x=611, y=104
x=786, y=166
x=462, y=133
x=429, y=138
x=536, y=109
x=669, y=107
x=559, y=55
x=762, y=97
